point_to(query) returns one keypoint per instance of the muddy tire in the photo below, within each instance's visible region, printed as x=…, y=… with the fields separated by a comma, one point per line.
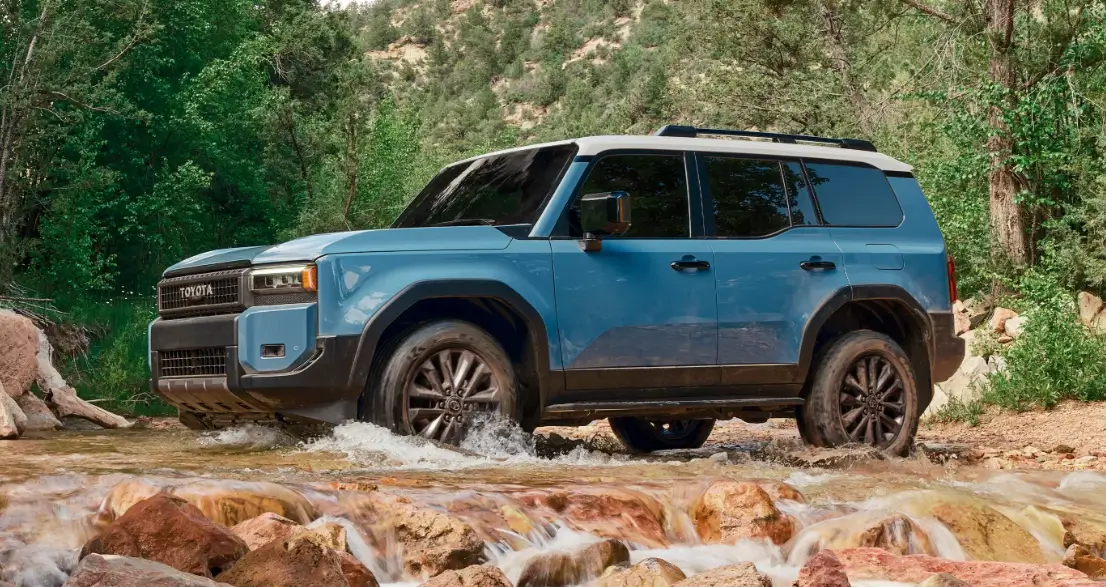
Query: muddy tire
x=864, y=391
x=644, y=435
x=438, y=376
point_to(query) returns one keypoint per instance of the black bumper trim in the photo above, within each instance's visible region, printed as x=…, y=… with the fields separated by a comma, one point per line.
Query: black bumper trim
x=948, y=349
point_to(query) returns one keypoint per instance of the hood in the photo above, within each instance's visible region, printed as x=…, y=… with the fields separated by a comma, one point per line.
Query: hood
x=309, y=248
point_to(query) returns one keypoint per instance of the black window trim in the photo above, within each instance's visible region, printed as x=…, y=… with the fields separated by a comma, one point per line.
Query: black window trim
x=693, y=188
x=708, y=199
x=818, y=206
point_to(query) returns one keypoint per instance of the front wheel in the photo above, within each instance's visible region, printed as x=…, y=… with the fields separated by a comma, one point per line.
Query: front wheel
x=864, y=392
x=440, y=377
x=644, y=435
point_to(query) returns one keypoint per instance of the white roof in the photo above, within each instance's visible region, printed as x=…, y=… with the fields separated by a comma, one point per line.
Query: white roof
x=597, y=145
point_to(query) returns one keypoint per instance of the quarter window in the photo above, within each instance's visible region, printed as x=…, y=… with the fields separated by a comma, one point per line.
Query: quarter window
x=854, y=195
x=657, y=185
x=750, y=198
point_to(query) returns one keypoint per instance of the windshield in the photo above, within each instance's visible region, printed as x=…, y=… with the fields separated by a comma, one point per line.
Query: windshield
x=497, y=190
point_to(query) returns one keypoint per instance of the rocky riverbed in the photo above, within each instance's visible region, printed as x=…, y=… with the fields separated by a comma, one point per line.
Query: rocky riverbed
x=170, y=507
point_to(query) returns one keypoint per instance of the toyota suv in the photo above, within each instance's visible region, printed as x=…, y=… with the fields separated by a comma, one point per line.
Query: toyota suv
x=662, y=282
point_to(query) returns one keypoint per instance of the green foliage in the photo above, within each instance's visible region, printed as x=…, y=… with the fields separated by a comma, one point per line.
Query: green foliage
x=957, y=410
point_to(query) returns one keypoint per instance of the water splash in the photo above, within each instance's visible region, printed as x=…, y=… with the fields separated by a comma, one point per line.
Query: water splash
x=249, y=436
x=37, y=566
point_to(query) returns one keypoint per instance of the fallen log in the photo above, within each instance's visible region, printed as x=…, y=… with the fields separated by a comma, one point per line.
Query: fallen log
x=39, y=416
x=64, y=402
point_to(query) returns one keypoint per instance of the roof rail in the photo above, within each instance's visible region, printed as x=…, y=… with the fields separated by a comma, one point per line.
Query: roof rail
x=676, y=130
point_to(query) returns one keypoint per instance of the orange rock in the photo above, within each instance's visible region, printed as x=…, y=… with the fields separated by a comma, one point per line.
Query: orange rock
x=739, y=575
x=124, y=571
x=171, y=531
x=651, y=572
x=18, y=353
x=562, y=569
x=474, y=576
x=880, y=565
x=298, y=561
x=823, y=570
x=730, y=511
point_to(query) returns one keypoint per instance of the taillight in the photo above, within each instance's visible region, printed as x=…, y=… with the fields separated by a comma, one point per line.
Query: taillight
x=952, y=279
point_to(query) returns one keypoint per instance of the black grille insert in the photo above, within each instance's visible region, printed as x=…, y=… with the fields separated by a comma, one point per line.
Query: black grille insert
x=204, y=294
x=207, y=362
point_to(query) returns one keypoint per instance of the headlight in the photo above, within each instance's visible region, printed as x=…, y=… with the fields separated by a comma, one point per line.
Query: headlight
x=284, y=279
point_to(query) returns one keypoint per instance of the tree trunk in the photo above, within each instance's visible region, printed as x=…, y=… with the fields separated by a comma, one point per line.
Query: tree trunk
x=1008, y=219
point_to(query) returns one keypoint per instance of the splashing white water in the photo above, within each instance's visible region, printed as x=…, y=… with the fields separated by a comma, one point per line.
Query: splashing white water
x=247, y=436
x=488, y=442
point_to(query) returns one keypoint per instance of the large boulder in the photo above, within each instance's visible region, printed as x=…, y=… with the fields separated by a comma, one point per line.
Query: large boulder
x=897, y=534
x=18, y=353
x=1090, y=306
x=12, y=419
x=123, y=571
x=169, y=530
x=879, y=565
x=298, y=561
x=608, y=512
x=432, y=541
x=739, y=575
x=561, y=569
x=966, y=384
x=355, y=572
x=729, y=511
x=823, y=570
x=651, y=572
x=1080, y=558
x=259, y=531
x=999, y=318
x=39, y=416
x=474, y=576
x=982, y=531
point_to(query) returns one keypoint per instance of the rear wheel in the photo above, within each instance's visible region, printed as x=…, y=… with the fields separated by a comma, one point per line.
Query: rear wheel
x=646, y=435
x=864, y=392
x=440, y=377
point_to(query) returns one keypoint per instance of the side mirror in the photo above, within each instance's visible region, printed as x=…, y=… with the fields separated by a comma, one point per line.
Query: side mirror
x=604, y=214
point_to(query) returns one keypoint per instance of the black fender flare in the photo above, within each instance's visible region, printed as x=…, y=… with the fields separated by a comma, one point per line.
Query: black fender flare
x=859, y=293
x=454, y=288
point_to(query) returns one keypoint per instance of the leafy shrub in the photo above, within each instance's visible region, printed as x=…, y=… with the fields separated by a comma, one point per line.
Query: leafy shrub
x=957, y=410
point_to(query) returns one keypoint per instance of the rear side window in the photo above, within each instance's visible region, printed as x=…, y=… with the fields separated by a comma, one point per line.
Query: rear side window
x=749, y=196
x=854, y=195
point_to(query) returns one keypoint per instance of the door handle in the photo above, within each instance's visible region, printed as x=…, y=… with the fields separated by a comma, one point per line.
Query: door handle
x=690, y=264
x=812, y=265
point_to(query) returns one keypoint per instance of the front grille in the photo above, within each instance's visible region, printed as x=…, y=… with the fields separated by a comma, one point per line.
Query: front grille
x=219, y=292
x=207, y=362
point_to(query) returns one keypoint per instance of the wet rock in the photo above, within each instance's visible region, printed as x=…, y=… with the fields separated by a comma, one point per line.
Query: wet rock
x=561, y=569
x=610, y=512
x=879, y=565
x=332, y=534
x=778, y=490
x=999, y=319
x=123, y=571
x=1081, y=530
x=943, y=580
x=12, y=419
x=983, y=532
x=896, y=534
x=474, y=576
x=169, y=530
x=739, y=575
x=356, y=573
x=729, y=511
x=39, y=416
x=259, y=531
x=1080, y=558
x=298, y=561
x=943, y=452
x=651, y=572
x=223, y=502
x=823, y=570
x=18, y=353
x=433, y=541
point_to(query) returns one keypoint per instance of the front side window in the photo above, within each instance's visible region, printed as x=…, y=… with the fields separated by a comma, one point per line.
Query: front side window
x=854, y=195
x=657, y=185
x=498, y=190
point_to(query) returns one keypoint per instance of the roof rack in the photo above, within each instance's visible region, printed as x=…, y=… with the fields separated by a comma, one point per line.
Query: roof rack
x=676, y=130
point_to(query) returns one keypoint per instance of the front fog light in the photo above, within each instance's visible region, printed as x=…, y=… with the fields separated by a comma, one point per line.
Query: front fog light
x=284, y=279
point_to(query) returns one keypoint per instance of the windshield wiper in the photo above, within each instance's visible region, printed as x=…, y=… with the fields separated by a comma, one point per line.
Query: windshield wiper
x=466, y=222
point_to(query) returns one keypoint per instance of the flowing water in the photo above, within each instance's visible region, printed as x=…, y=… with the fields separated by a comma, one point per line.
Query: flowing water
x=53, y=488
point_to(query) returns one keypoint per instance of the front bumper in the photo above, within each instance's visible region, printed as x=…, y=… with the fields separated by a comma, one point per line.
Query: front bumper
x=948, y=349
x=319, y=389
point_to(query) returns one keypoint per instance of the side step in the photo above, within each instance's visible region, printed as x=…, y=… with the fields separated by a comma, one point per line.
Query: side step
x=701, y=408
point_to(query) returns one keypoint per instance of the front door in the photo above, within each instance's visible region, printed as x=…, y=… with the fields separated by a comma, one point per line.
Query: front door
x=640, y=313
x=774, y=261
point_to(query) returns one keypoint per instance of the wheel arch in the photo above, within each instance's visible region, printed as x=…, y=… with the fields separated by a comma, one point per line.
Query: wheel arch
x=492, y=305
x=888, y=309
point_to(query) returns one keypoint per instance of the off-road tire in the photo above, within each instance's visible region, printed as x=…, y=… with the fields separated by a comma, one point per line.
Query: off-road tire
x=823, y=413
x=639, y=435
x=387, y=396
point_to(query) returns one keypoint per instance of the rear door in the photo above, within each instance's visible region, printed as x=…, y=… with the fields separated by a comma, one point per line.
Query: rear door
x=775, y=264
x=640, y=313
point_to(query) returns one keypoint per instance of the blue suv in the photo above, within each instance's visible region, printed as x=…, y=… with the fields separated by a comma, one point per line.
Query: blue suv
x=660, y=281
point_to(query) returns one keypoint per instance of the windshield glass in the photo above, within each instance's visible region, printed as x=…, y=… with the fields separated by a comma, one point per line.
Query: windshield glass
x=496, y=191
